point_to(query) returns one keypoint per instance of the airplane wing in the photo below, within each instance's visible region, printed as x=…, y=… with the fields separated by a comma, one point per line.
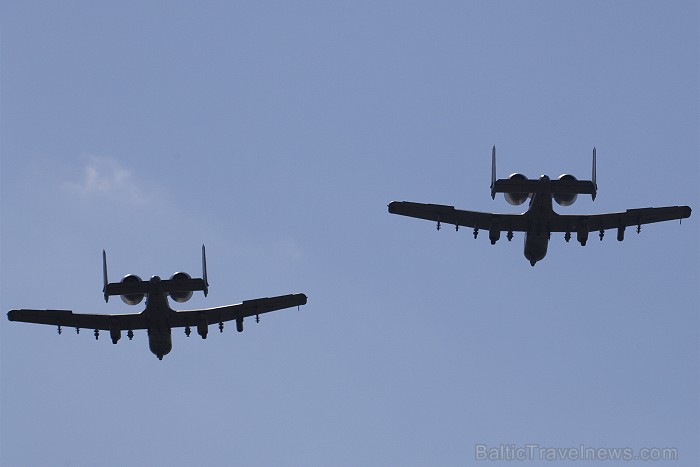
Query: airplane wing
x=67, y=318
x=449, y=215
x=236, y=312
x=618, y=220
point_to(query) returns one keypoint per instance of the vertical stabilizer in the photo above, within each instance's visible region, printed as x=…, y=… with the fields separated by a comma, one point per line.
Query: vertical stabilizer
x=204, y=271
x=595, y=185
x=493, y=171
x=104, y=275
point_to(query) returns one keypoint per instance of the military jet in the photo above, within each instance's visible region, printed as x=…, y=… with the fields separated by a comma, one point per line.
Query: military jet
x=540, y=220
x=158, y=318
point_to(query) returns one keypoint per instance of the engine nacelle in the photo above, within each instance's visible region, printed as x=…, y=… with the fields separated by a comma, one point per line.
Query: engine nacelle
x=180, y=297
x=565, y=199
x=516, y=199
x=132, y=299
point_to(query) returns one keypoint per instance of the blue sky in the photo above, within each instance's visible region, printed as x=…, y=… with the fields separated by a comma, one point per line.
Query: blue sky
x=276, y=133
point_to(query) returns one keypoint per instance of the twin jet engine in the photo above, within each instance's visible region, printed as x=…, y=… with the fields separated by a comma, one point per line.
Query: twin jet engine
x=135, y=299
x=562, y=199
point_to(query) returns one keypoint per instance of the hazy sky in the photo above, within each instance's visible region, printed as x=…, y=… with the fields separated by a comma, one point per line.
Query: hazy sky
x=276, y=133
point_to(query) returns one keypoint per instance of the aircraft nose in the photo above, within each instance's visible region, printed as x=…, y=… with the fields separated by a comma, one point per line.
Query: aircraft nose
x=544, y=178
x=155, y=279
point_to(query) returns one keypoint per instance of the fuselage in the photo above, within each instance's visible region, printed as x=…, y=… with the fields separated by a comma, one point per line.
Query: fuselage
x=157, y=314
x=539, y=214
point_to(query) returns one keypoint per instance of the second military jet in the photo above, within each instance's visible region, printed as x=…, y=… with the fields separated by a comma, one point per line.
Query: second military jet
x=540, y=220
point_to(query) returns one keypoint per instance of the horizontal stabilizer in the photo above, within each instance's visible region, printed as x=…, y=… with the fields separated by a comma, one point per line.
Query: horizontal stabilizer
x=568, y=187
x=155, y=287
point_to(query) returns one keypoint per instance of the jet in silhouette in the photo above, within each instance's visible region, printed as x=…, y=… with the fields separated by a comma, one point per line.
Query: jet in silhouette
x=540, y=220
x=158, y=318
